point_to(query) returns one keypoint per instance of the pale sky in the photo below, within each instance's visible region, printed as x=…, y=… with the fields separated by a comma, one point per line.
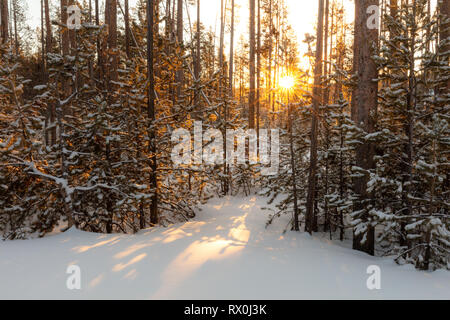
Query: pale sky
x=302, y=15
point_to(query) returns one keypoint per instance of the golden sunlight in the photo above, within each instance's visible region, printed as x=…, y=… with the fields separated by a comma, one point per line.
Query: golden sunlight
x=287, y=83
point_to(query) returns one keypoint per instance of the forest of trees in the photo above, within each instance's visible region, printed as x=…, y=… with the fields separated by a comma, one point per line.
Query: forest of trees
x=87, y=114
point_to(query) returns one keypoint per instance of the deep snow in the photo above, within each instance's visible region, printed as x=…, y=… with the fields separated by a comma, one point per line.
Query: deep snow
x=226, y=253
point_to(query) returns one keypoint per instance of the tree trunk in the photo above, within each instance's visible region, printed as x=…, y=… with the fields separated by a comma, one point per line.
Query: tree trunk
x=197, y=66
x=258, y=71
x=251, y=94
x=327, y=224
x=221, y=45
x=180, y=22
x=100, y=61
x=51, y=109
x=270, y=58
x=43, y=40
x=364, y=105
x=444, y=8
x=112, y=41
x=65, y=40
x=151, y=114
x=231, y=64
x=180, y=26
x=327, y=14
x=4, y=32
x=127, y=29
x=16, y=37
x=48, y=29
x=317, y=100
x=295, y=222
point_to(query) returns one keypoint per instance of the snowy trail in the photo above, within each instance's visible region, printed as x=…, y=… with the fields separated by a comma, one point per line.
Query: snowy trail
x=226, y=253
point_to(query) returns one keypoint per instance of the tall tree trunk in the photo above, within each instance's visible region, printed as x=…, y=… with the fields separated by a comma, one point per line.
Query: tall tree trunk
x=42, y=40
x=112, y=41
x=127, y=29
x=258, y=71
x=91, y=63
x=167, y=19
x=317, y=100
x=409, y=125
x=197, y=66
x=48, y=48
x=226, y=169
x=221, y=45
x=325, y=102
x=48, y=28
x=252, y=86
x=270, y=57
x=180, y=32
x=4, y=32
x=72, y=35
x=100, y=61
x=66, y=44
x=65, y=39
x=231, y=64
x=327, y=14
x=151, y=114
x=16, y=37
x=444, y=8
x=364, y=105
x=277, y=48
x=295, y=222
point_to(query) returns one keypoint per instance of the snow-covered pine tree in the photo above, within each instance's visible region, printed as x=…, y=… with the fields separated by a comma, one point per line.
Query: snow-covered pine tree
x=24, y=196
x=408, y=183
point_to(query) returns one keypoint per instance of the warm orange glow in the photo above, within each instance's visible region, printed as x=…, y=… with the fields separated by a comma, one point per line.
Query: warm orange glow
x=287, y=83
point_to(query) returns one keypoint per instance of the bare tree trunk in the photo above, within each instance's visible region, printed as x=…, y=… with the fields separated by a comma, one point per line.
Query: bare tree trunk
x=222, y=35
x=100, y=62
x=91, y=63
x=444, y=8
x=326, y=100
x=48, y=28
x=295, y=222
x=327, y=14
x=231, y=94
x=251, y=94
x=364, y=104
x=197, y=66
x=4, y=32
x=16, y=37
x=167, y=22
x=151, y=115
x=231, y=64
x=65, y=39
x=127, y=29
x=180, y=26
x=112, y=41
x=275, y=74
x=72, y=35
x=270, y=56
x=48, y=48
x=43, y=41
x=317, y=99
x=258, y=71
x=337, y=88
x=341, y=170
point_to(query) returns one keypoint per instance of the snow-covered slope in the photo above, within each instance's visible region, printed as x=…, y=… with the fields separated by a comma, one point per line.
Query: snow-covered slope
x=226, y=253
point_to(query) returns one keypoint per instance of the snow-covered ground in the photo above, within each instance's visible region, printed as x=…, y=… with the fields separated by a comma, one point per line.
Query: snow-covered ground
x=226, y=253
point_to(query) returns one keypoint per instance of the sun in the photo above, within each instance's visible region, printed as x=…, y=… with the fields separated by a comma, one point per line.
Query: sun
x=287, y=83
